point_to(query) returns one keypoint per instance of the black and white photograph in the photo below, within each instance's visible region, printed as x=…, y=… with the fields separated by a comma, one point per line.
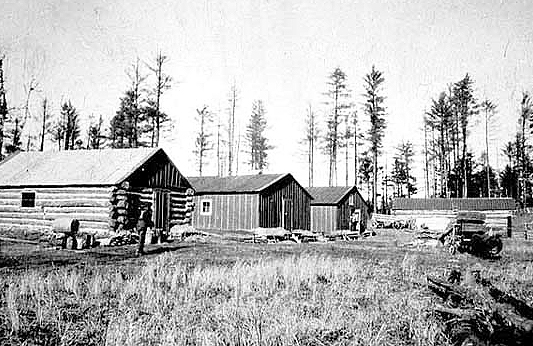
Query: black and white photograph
x=266, y=172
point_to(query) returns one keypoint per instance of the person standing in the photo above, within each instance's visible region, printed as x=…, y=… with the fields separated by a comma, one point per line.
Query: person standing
x=145, y=222
x=354, y=220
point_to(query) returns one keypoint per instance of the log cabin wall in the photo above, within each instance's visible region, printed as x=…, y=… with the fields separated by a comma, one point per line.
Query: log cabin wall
x=228, y=212
x=495, y=218
x=90, y=205
x=323, y=218
x=271, y=206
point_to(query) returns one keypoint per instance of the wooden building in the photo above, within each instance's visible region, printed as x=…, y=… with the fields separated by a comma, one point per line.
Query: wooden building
x=103, y=189
x=250, y=201
x=331, y=208
x=428, y=210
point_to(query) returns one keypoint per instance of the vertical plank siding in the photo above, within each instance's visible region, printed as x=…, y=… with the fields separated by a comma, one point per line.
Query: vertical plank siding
x=271, y=206
x=327, y=218
x=89, y=205
x=229, y=212
x=158, y=172
x=323, y=218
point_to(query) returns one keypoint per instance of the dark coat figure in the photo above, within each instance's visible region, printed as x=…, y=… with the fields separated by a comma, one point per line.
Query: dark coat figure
x=142, y=225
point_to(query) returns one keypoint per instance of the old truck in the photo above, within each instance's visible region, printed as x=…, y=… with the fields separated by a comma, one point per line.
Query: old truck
x=467, y=232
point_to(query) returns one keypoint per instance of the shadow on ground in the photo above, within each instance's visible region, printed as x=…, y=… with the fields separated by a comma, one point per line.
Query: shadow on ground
x=15, y=256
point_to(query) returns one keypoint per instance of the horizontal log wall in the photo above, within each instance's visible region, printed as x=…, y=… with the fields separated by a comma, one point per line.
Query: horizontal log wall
x=495, y=218
x=228, y=212
x=89, y=205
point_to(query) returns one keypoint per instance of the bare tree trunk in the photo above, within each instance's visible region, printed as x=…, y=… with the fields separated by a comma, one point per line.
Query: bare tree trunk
x=31, y=87
x=219, y=163
x=3, y=107
x=375, y=181
x=346, y=143
x=43, y=129
x=231, y=128
x=487, y=150
x=355, y=146
x=426, y=158
x=237, y=152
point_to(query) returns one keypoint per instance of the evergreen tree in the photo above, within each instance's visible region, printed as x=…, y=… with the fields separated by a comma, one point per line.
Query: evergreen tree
x=72, y=128
x=255, y=137
x=203, y=142
x=465, y=105
x=376, y=111
x=366, y=170
x=95, y=136
x=338, y=95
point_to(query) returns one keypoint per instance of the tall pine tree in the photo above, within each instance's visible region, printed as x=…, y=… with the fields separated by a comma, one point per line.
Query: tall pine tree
x=376, y=111
x=256, y=138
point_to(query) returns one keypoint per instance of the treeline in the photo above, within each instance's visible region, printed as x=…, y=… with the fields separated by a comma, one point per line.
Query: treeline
x=339, y=135
x=451, y=169
x=137, y=123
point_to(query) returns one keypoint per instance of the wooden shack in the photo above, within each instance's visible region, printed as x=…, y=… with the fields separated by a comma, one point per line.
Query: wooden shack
x=250, y=201
x=427, y=210
x=331, y=208
x=103, y=189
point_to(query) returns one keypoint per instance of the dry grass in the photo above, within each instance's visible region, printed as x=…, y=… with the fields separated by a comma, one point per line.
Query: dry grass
x=365, y=293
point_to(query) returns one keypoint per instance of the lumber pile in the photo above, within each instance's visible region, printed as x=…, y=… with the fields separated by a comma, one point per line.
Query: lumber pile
x=482, y=314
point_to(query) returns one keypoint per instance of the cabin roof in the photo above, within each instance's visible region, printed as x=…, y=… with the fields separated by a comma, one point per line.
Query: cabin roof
x=72, y=167
x=329, y=195
x=465, y=204
x=236, y=184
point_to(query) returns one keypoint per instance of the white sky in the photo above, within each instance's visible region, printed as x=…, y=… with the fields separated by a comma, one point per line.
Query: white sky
x=277, y=51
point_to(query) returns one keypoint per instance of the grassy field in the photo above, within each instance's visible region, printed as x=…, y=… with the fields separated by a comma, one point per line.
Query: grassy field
x=367, y=292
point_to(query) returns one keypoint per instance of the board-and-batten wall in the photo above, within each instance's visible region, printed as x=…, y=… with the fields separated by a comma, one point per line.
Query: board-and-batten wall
x=90, y=205
x=323, y=218
x=271, y=206
x=228, y=212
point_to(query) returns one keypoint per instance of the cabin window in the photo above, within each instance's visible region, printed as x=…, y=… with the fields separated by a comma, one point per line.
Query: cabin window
x=28, y=200
x=205, y=206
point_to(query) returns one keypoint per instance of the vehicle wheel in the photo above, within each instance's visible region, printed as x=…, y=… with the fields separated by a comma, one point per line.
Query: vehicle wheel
x=496, y=247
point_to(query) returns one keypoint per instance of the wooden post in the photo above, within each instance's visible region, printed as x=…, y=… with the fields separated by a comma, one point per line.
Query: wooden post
x=509, y=226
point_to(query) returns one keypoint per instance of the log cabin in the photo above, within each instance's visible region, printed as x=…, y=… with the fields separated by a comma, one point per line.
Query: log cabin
x=331, y=208
x=250, y=201
x=431, y=210
x=103, y=189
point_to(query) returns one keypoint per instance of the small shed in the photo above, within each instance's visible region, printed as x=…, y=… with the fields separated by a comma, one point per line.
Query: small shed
x=250, y=201
x=103, y=189
x=496, y=210
x=331, y=208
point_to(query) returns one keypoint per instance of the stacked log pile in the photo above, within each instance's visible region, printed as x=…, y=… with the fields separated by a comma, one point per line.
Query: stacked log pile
x=483, y=314
x=124, y=208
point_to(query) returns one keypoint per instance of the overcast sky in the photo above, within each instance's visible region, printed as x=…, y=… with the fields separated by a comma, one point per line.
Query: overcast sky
x=278, y=51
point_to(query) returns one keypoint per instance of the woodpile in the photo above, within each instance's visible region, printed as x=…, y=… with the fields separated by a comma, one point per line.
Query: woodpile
x=124, y=238
x=124, y=208
x=482, y=314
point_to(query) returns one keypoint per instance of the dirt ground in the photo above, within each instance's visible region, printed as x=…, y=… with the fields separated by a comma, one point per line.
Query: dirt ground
x=16, y=256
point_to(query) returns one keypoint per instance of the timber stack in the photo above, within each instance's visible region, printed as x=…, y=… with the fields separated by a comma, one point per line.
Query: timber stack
x=124, y=208
x=478, y=313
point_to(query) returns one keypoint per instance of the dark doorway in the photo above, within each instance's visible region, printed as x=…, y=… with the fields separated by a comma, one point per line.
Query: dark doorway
x=161, y=209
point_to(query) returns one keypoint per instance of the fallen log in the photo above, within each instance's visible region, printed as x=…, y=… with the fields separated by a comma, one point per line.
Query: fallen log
x=502, y=320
